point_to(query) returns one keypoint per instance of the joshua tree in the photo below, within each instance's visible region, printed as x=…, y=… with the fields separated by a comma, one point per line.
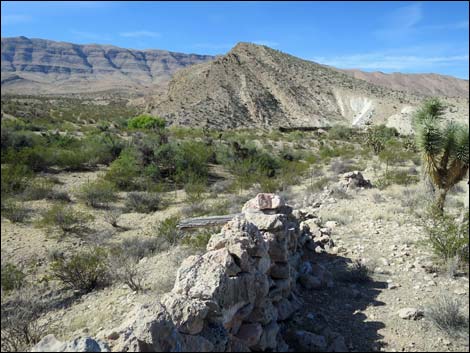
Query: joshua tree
x=445, y=148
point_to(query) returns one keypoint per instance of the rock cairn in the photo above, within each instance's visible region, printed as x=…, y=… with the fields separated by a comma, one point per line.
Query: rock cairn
x=235, y=297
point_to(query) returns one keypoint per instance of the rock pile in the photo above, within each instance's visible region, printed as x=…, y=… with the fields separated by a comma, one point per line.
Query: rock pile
x=235, y=297
x=354, y=180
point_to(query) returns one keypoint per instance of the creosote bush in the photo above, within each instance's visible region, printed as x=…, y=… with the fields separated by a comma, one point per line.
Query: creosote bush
x=146, y=122
x=447, y=315
x=15, y=211
x=143, y=202
x=83, y=271
x=98, y=193
x=12, y=277
x=448, y=237
x=65, y=218
x=168, y=230
x=357, y=272
x=21, y=328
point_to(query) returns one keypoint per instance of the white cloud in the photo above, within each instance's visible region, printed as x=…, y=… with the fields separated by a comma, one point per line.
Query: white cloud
x=14, y=19
x=386, y=62
x=140, y=34
x=401, y=22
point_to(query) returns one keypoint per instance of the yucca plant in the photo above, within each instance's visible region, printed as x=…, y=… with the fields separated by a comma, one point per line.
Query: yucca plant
x=444, y=147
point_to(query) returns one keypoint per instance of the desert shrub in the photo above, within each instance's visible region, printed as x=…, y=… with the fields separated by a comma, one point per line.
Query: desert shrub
x=123, y=171
x=72, y=160
x=318, y=184
x=103, y=148
x=267, y=184
x=377, y=136
x=195, y=190
x=357, y=272
x=15, y=178
x=291, y=173
x=198, y=240
x=65, y=218
x=21, y=328
x=168, y=230
x=341, y=132
x=37, y=189
x=61, y=196
x=143, y=202
x=12, y=277
x=125, y=269
x=15, y=211
x=146, y=122
x=83, y=271
x=191, y=161
x=98, y=193
x=448, y=237
x=447, y=315
x=140, y=247
x=112, y=217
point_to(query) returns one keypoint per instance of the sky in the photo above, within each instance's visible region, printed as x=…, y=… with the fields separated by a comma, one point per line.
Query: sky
x=410, y=37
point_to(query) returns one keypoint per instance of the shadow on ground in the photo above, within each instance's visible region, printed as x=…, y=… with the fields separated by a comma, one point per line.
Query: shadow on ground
x=340, y=309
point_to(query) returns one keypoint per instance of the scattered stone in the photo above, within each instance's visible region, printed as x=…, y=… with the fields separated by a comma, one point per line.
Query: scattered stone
x=410, y=313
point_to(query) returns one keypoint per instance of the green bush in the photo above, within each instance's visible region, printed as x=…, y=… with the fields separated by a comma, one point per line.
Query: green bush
x=341, y=132
x=38, y=189
x=146, y=122
x=124, y=170
x=448, y=238
x=15, y=178
x=12, y=277
x=83, y=271
x=98, y=193
x=198, y=240
x=14, y=211
x=65, y=218
x=143, y=202
x=168, y=230
x=377, y=136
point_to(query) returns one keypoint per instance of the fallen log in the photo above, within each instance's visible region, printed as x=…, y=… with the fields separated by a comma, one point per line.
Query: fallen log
x=211, y=221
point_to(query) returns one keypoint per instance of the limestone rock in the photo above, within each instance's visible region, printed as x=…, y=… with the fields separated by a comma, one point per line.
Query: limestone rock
x=410, y=313
x=187, y=314
x=80, y=344
x=263, y=201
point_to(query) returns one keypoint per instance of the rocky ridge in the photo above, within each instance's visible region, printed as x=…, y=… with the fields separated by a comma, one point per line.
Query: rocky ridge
x=425, y=84
x=256, y=86
x=236, y=297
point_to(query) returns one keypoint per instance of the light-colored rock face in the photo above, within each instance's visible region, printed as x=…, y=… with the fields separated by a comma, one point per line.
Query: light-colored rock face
x=260, y=87
x=43, y=66
x=425, y=84
x=232, y=298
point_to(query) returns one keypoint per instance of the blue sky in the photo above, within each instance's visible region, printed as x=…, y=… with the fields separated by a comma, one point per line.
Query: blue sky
x=373, y=36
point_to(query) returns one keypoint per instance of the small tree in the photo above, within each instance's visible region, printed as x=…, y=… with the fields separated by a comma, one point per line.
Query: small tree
x=445, y=148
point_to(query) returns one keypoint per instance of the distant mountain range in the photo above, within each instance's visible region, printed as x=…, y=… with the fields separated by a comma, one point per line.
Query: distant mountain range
x=250, y=86
x=36, y=66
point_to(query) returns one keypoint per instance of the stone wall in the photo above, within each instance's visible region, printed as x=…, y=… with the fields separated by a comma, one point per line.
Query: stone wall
x=235, y=297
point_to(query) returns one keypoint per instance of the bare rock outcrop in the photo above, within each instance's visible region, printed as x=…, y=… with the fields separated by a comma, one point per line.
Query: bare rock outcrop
x=354, y=180
x=235, y=297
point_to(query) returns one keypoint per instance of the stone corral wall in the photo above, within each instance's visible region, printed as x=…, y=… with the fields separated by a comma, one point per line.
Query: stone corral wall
x=235, y=297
